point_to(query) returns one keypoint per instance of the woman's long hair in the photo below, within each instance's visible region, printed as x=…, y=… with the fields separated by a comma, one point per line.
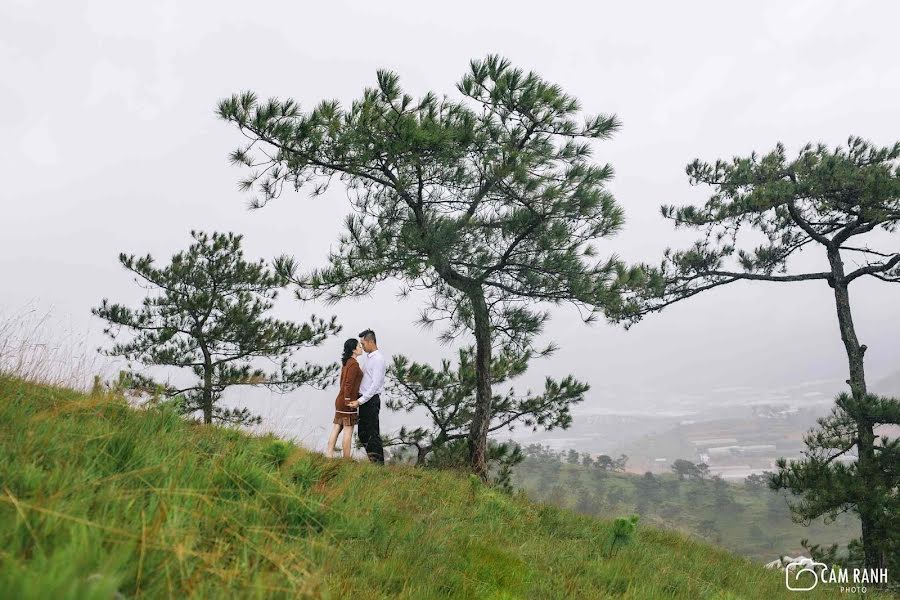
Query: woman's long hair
x=349, y=346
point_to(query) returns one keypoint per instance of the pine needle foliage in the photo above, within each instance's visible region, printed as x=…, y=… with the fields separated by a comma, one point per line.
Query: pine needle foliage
x=833, y=200
x=206, y=312
x=447, y=396
x=490, y=202
x=829, y=480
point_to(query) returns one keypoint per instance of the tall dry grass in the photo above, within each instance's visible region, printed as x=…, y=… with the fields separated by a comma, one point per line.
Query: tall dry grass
x=37, y=346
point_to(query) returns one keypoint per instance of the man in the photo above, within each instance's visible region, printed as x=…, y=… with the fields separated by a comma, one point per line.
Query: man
x=369, y=402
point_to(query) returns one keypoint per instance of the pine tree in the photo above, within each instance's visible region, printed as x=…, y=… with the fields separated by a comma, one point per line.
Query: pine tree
x=604, y=463
x=755, y=483
x=685, y=469
x=607, y=463
x=622, y=534
x=824, y=199
x=648, y=487
x=491, y=203
x=708, y=528
x=206, y=312
x=447, y=396
x=722, y=493
x=828, y=481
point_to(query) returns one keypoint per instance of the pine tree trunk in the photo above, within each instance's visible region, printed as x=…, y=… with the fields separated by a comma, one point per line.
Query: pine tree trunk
x=207, y=398
x=422, y=454
x=868, y=505
x=207, y=386
x=481, y=418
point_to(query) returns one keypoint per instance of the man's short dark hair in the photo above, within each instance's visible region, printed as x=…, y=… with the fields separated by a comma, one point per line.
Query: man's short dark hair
x=369, y=336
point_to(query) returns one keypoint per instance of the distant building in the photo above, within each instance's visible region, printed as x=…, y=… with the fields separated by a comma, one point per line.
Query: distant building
x=734, y=471
x=752, y=450
x=779, y=411
x=713, y=442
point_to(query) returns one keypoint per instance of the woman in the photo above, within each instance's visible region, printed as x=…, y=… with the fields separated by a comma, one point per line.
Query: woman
x=345, y=416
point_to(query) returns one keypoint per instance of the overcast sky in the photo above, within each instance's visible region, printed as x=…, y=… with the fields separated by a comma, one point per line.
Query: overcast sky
x=111, y=144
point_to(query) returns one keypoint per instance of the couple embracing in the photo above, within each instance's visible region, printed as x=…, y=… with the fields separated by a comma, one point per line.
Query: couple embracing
x=359, y=397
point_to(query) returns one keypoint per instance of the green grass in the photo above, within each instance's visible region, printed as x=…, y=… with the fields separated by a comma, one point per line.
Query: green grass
x=98, y=499
x=756, y=523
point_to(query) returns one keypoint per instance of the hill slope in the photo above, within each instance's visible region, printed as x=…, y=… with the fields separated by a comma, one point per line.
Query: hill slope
x=100, y=501
x=755, y=523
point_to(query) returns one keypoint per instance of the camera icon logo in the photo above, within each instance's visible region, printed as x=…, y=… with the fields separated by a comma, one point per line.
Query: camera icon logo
x=794, y=570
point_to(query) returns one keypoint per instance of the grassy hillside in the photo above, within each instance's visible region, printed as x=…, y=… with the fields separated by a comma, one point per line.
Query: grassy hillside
x=754, y=522
x=101, y=501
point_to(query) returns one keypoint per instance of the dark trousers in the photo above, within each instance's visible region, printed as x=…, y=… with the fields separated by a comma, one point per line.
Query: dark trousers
x=369, y=429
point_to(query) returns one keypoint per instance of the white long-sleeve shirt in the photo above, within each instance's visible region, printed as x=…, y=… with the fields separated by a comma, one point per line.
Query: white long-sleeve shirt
x=373, y=369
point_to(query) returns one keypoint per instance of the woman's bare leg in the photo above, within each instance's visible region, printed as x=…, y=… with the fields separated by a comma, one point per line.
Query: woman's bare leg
x=348, y=441
x=332, y=440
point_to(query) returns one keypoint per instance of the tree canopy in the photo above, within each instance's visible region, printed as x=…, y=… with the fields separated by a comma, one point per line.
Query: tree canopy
x=490, y=202
x=824, y=198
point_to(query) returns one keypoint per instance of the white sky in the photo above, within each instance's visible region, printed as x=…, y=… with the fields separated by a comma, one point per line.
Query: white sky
x=111, y=144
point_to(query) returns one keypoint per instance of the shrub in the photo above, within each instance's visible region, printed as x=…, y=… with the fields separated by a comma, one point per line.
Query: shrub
x=622, y=533
x=277, y=452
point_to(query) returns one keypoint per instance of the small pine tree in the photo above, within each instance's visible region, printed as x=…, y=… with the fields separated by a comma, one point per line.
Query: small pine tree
x=830, y=480
x=622, y=534
x=722, y=493
x=206, y=313
x=685, y=469
x=604, y=462
x=448, y=397
x=708, y=529
x=755, y=483
x=648, y=487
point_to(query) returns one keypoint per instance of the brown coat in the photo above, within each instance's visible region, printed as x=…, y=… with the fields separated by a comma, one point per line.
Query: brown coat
x=351, y=378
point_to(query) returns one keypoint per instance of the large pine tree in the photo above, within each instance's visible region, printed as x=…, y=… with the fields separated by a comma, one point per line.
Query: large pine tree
x=844, y=203
x=206, y=312
x=490, y=202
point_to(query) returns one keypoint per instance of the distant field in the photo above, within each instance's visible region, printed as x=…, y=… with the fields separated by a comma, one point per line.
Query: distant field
x=680, y=441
